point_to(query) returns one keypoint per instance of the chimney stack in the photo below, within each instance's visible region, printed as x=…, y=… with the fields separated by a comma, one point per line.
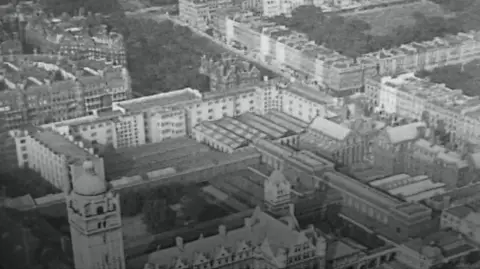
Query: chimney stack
x=179, y=242
x=291, y=209
x=248, y=222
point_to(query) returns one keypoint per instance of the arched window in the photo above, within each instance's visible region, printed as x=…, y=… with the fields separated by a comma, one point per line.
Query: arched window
x=100, y=210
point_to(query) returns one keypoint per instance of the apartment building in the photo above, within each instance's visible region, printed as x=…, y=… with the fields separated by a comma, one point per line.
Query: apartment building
x=70, y=37
x=272, y=8
x=427, y=55
x=39, y=89
x=229, y=72
x=199, y=13
x=292, y=50
x=411, y=97
x=58, y=157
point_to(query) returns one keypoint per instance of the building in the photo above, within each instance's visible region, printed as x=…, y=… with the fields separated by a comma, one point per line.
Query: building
x=463, y=219
x=248, y=246
x=335, y=142
x=272, y=8
x=457, y=197
x=229, y=72
x=409, y=188
x=39, y=89
x=386, y=215
x=54, y=155
x=290, y=50
x=433, y=250
x=414, y=98
x=70, y=37
x=412, y=149
x=95, y=221
x=199, y=13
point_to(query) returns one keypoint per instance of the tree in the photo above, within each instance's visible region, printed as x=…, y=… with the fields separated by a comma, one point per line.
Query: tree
x=132, y=203
x=157, y=216
x=22, y=181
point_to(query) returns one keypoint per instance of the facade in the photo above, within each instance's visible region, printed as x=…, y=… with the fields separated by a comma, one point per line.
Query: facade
x=335, y=142
x=290, y=50
x=229, y=72
x=414, y=98
x=199, y=13
x=255, y=245
x=69, y=37
x=52, y=154
x=412, y=149
x=39, y=89
x=457, y=197
x=272, y=8
x=95, y=221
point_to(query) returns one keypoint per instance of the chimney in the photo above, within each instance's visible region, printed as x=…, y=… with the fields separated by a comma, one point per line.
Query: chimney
x=265, y=78
x=222, y=230
x=421, y=132
x=446, y=201
x=179, y=242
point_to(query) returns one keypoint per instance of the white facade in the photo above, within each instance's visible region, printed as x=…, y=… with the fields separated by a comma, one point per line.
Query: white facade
x=95, y=226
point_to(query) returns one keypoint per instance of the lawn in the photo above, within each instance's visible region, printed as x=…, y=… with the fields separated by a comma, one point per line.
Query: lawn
x=384, y=20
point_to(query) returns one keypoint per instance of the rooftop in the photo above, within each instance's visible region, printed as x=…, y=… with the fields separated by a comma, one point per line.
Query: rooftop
x=460, y=211
x=260, y=230
x=404, y=133
x=169, y=99
x=329, y=128
x=61, y=145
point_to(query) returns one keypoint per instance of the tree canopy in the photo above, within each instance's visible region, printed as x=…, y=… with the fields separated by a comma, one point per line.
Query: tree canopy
x=465, y=78
x=57, y=7
x=351, y=37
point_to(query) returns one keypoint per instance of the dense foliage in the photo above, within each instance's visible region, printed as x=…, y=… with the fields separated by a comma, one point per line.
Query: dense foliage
x=351, y=37
x=465, y=78
x=22, y=181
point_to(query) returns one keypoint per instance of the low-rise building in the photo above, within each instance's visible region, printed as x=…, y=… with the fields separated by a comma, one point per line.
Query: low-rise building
x=455, y=197
x=199, y=13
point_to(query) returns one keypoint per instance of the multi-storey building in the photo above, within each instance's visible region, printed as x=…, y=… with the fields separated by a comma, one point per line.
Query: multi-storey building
x=411, y=97
x=247, y=246
x=69, y=36
x=464, y=219
x=45, y=88
x=448, y=50
x=229, y=72
x=292, y=50
x=272, y=8
x=199, y=13
x=53, y=154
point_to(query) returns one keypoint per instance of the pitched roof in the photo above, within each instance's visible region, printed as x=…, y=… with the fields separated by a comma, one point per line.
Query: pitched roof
x=330, y=128
x=403, y=133
x=263, y=230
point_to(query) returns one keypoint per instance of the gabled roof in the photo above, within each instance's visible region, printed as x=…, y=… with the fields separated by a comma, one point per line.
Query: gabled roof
x=261, y=228
x=330, y=128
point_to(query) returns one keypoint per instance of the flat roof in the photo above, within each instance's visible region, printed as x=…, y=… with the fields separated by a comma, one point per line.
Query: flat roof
x=162, y=99
x=61, y=145
x=222, y=135
x=269, y=129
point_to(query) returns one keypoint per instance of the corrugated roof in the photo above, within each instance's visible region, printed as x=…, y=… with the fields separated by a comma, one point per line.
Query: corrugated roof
x=330, y=128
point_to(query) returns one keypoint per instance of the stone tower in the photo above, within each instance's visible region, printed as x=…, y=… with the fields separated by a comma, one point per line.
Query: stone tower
x=277, y=196
x=95, y=222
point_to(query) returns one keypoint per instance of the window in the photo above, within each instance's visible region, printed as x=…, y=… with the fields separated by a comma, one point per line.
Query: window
x=100, y=210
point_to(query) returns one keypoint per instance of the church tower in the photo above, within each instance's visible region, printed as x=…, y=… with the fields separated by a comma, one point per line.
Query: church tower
x=277, y=194
x=95, y=222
